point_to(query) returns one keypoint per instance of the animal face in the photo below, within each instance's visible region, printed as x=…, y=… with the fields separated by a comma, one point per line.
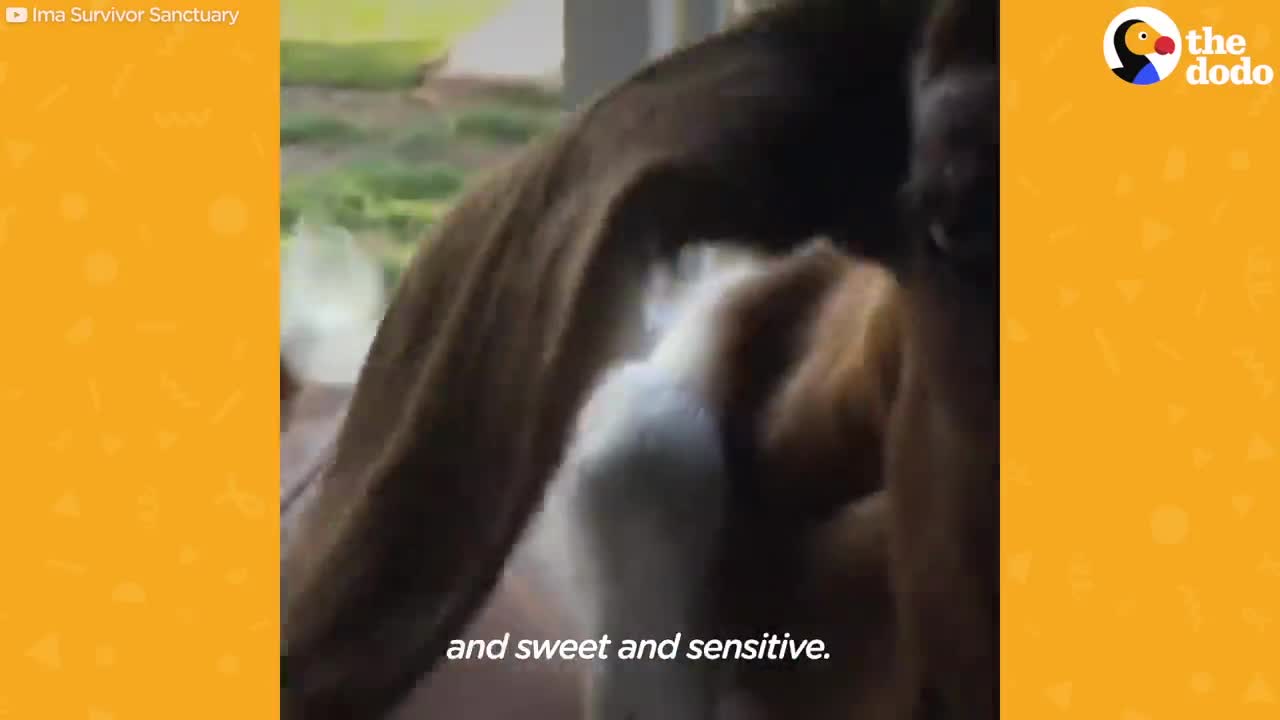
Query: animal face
x=1142, y=39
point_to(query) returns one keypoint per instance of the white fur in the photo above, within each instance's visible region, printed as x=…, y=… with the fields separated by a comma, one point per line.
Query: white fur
x=633, y=518
x=646, y=488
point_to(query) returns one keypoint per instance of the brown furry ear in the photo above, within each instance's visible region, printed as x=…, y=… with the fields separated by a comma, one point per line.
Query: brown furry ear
x=780, y=129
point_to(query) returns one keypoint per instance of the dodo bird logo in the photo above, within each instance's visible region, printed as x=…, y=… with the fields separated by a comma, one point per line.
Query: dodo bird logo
x=1142, y=46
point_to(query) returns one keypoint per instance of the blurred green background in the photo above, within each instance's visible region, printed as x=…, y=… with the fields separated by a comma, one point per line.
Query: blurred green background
x=373, y=44
x=371, y=138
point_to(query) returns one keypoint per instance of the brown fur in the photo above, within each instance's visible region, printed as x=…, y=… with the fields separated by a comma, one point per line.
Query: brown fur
x=470, y=690
x=838, y=591
x=808, y=537
x=838, y=380
x=942, y=454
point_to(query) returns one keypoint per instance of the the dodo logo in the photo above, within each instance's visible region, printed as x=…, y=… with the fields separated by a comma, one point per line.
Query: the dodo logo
x=1142, y=46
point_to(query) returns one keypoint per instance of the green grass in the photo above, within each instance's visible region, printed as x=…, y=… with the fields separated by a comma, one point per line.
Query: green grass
x=506, y=125
x=399, y=180
x=403, y=200
x=425, y=144
x=364, y=66
x=319, y=130
x=372, y=44
x=408, y=182
x=398, y=184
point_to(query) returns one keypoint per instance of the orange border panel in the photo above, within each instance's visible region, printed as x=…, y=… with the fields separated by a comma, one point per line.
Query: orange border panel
x=1141, y=353
x=139, y=266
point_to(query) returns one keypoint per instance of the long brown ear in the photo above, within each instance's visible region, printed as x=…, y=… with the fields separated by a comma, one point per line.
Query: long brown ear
x=781, y=129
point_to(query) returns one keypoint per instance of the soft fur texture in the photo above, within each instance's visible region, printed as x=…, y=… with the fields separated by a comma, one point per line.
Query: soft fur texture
x=648, y=491
x=631, y=540
x=831, y=380
x=317, y=383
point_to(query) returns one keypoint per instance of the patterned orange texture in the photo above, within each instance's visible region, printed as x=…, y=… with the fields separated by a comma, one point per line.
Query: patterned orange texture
x=139, y=265
x=1141, y=353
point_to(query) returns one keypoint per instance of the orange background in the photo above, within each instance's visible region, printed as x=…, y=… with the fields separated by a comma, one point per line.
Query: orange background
x=139, y=256
x=138, y=276
x=1141, y=421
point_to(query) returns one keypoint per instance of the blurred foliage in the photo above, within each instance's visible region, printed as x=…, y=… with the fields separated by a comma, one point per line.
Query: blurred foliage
x=315, y=129
x=367, y=66
x=402, y=199
x=503, y=124
x=373, y=44
x=401, y=181
x=391, y=176
x=343, y=21
x=427, y=144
